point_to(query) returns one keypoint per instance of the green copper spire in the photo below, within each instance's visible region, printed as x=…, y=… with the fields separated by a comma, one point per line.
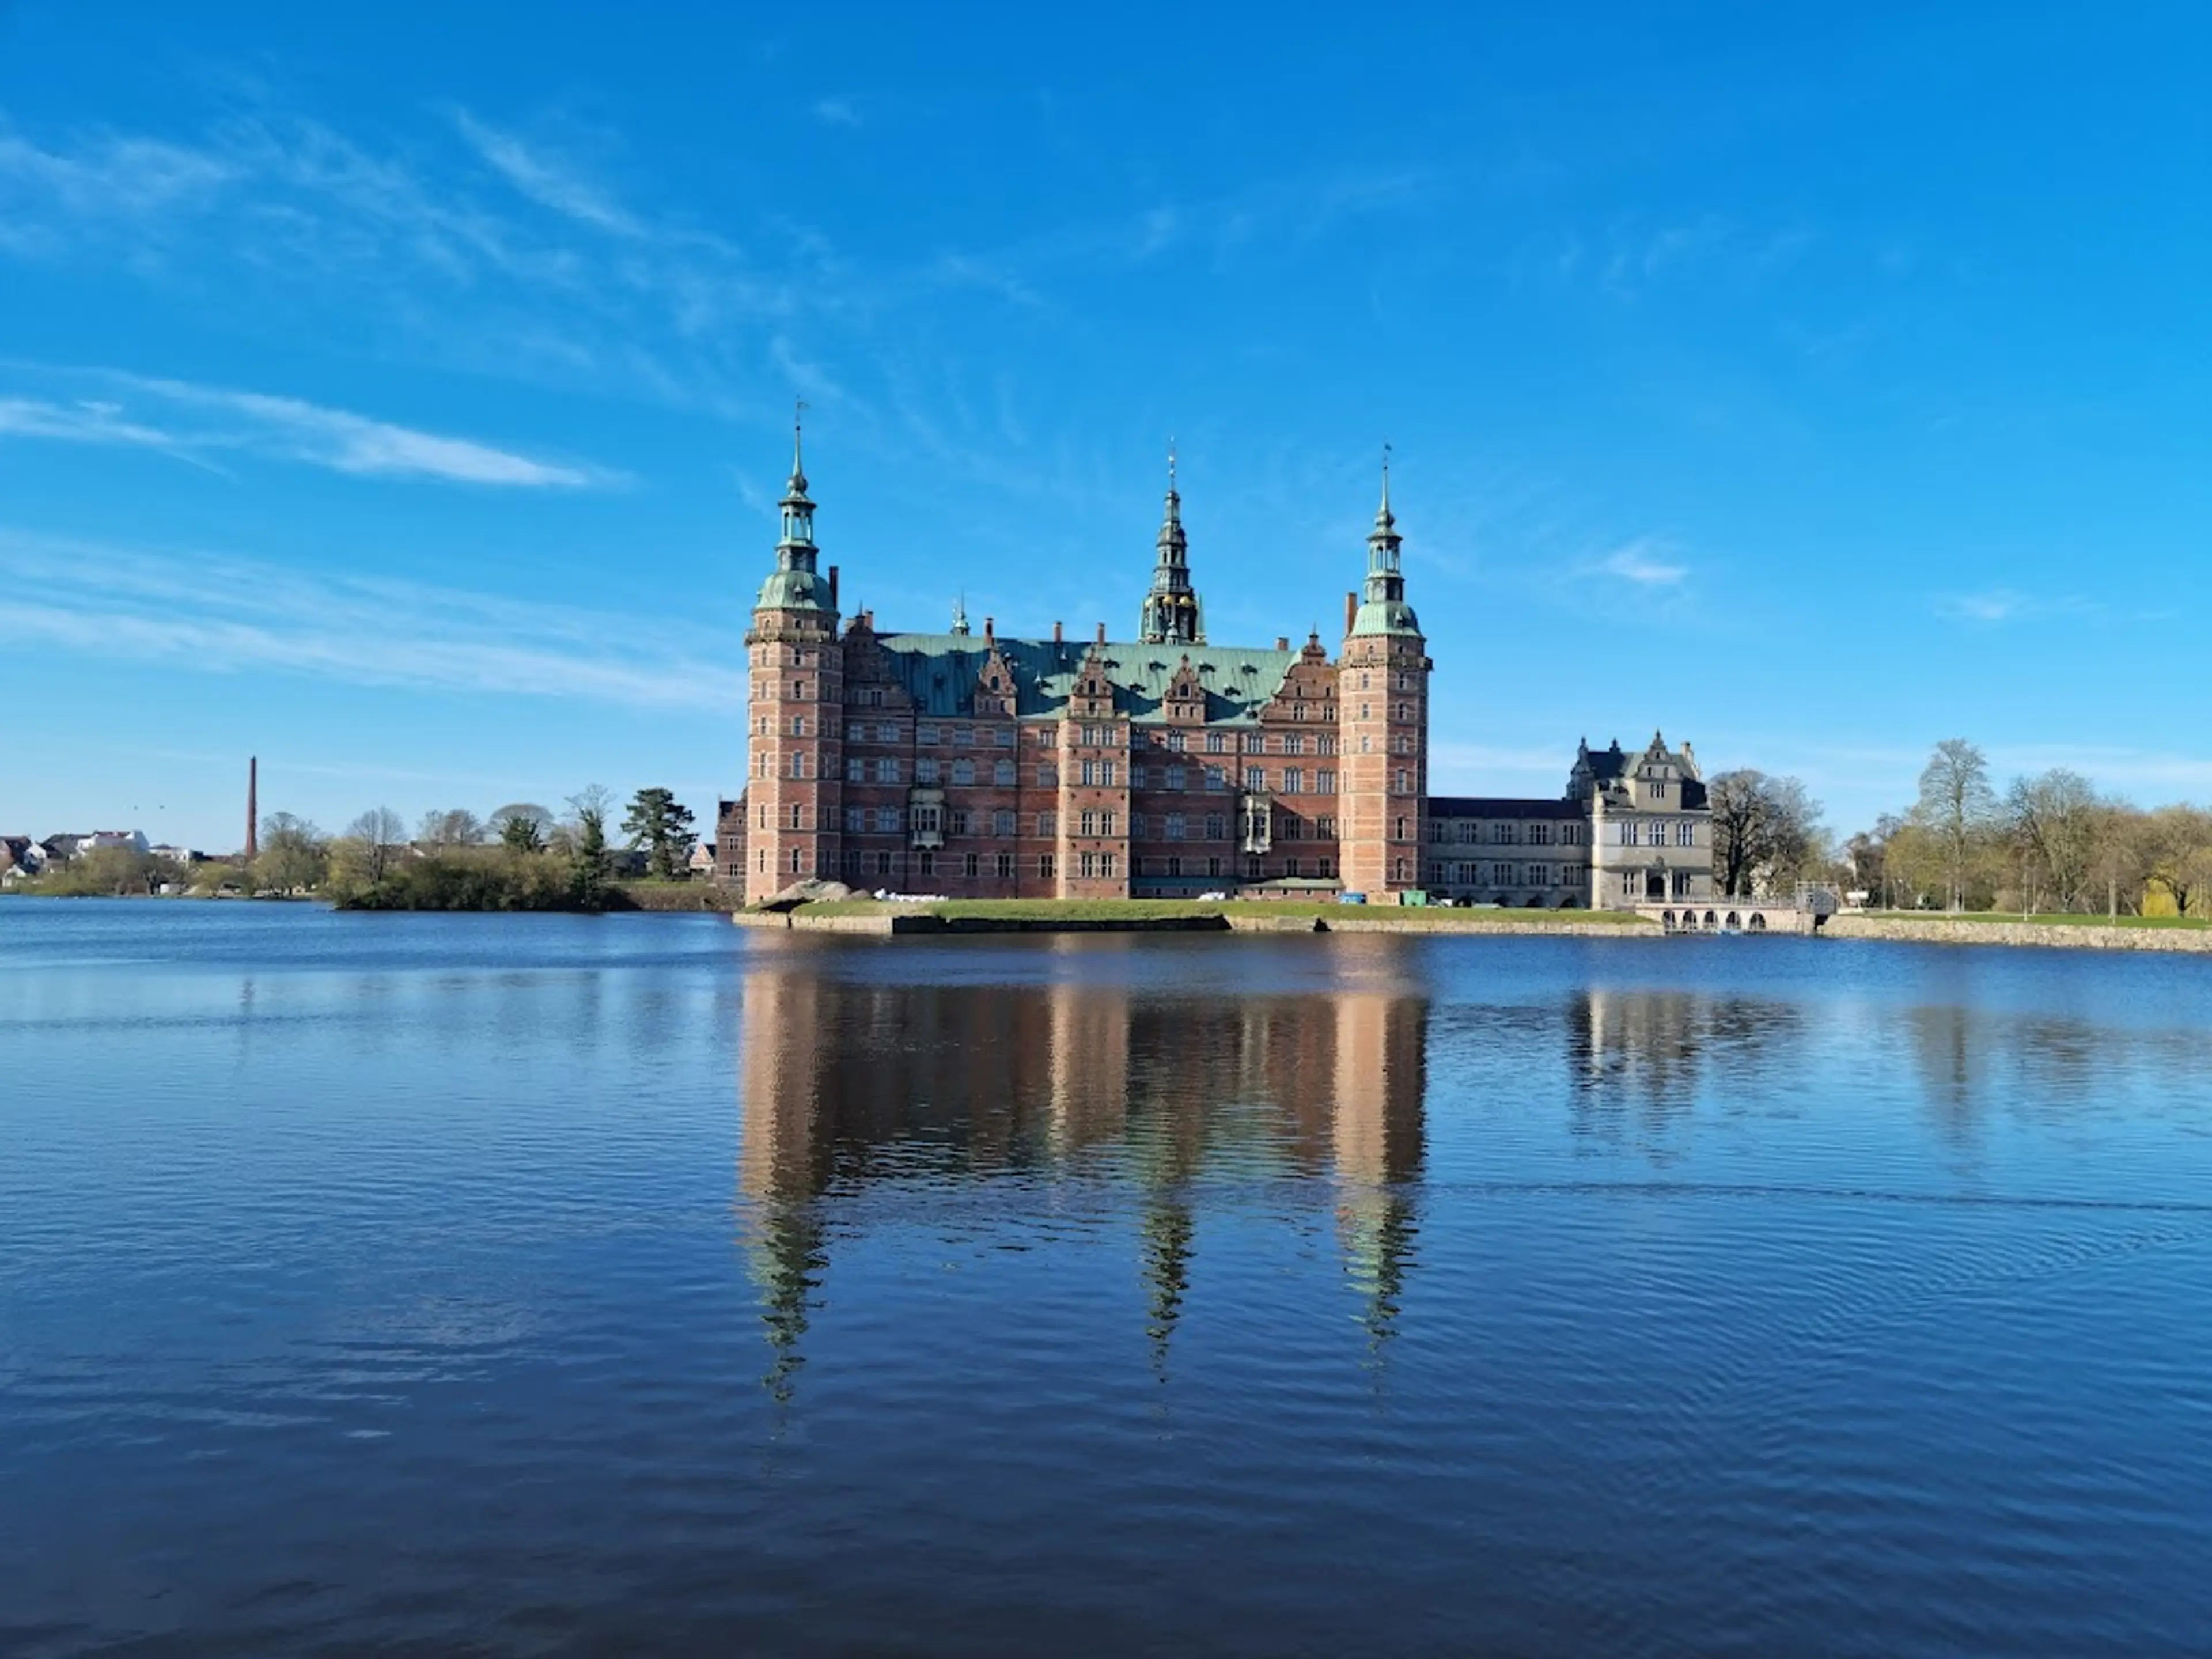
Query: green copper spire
x=1382, y=607
x=795, y=585
x=1171, y=611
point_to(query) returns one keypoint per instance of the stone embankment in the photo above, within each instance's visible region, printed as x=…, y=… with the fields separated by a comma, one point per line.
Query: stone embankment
x=2078, y=936
x=1394, y=922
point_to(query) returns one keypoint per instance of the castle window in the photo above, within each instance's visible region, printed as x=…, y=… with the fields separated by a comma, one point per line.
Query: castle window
x=798, y=815
x=1217, y=743
x=1136, y=775
x=882, y=863
x=1216, y=829
x=1213, y=867
x=887, y=734
x=1251, y=869
x=1086, y=772
x=1086, y=865
x=797, y=867
x=964, y=771
x=1540, y=834
x=1400, y=832
x=927, y=863
x=1106, y=862
x=962, y=736
x=1405, y=782
x=1175, y=824
x=1004, y=737
x=760, y=861
x=1255, y=778
x=925, y=770
x=1048, y=775
x=1294, y=780
x=1324, y=830
x=887, y=770
x=1045, y=866
x=1685, y=834
x=1216, y=778
x=1367, y=744
x=1405, y=870
x=799, y=725
x=1006, y=865
x=1047, y=824
x=955, y=822
x=1002, y=775
x=887, y=820
x=1002, y=824
x=856, y=734
x=856, y=820
x=1178, y=778
x=1501, y=835
x=1325, y=782
x=852, y=861
x=1324, y=866
x=1570, y=835
x=1176, y=741
x=925, y=734
x=1174, y=867
x=798, y=763
x=970, y=865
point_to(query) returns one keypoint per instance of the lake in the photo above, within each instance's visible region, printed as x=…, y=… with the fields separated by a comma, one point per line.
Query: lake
x=488, y=1285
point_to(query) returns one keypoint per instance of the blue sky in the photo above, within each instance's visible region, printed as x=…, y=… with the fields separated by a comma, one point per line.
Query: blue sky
x=401, y=393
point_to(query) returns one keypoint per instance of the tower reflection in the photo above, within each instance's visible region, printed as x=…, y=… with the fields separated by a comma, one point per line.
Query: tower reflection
x=1169, y=1101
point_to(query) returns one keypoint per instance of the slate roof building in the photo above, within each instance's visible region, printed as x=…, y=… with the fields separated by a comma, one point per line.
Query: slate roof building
x=982, y=765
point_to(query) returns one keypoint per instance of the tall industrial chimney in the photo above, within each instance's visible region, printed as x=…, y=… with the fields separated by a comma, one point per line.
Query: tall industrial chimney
x=252, y=807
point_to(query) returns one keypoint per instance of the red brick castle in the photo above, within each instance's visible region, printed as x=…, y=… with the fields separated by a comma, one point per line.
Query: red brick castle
x=979, y=766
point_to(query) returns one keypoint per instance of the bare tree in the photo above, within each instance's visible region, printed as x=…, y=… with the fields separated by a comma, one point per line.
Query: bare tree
x=378, y=832
x=1957, y=805
x=455, y=827
x=2054, y=819
x=2180, y=847
x=1765, y=829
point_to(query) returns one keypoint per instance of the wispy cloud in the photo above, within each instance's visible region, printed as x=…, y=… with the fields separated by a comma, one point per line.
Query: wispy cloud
x=1992, y=605
x=200, y=420
x=221, y=614
x=544, y=181
x=836, y=113
x=1647, y=562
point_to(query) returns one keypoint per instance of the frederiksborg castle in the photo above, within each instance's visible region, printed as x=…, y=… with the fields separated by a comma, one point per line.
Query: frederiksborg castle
x=977, y=765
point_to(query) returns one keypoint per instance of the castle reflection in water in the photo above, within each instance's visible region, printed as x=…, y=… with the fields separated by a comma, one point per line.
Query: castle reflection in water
x=1071, y=1073
x=846, y=1082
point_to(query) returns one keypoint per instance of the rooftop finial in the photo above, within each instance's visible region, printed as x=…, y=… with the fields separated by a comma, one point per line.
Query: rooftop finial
x=960, y=614
x=1385, y=513
x=798, y=420
x=1171, y=464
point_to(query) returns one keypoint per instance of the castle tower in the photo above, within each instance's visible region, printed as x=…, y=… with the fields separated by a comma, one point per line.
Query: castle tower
x=795, y=781
x=1383, y=720
x=1171, y=610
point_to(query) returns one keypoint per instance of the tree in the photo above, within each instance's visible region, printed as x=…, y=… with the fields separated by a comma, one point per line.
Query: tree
x=294, y=853
x=590, y=864
x=1766, y=831
x=663, y=827
x=455, y=827
x=2054, y=819
x=378, y=832
x=2117, y=853
x=2180, y=847
x=1956, y=805
x=523, y=827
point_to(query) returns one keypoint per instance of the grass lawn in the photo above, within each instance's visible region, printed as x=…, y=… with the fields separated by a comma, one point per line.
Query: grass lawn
x=2040, y=921
x=1167, y=909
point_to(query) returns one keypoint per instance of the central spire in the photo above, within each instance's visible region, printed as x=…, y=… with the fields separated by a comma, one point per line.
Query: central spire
x=1171, y=611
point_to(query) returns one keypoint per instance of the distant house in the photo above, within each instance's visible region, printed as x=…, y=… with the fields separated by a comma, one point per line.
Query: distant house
x=66, y=848
x=702, y=862
x=20, y=858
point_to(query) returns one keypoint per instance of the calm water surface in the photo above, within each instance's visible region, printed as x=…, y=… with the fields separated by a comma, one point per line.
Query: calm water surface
x=545, y=1284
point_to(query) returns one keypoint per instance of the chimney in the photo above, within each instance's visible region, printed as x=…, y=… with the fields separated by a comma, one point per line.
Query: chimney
x=990, y=631
x=1351, y=612
x=1101, y=633
x=1282, y=641
x=253, y=808
x=1057, y=637
x=833, y=587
